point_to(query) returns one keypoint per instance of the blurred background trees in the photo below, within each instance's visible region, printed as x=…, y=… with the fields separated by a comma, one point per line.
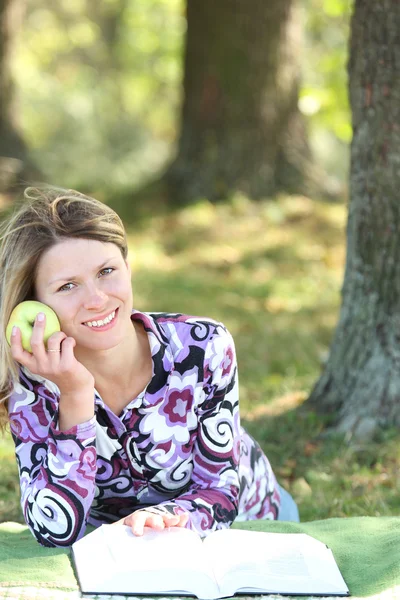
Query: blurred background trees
x=14, y=158
x=241, y=127
x=98, y=86
x=100, y=91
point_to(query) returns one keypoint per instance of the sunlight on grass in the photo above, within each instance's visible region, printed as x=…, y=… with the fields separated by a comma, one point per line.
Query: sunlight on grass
x=272, y=272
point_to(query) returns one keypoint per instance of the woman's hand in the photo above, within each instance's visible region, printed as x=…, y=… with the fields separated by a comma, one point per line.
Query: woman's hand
x=58, y=364
x=140, y=519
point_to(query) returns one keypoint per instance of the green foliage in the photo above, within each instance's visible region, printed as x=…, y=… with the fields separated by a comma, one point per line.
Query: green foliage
x=272, y=272
x=324, y=96
x=100, y=87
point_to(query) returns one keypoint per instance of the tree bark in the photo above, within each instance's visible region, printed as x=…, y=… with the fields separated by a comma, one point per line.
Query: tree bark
x=241, y=130
x=360, y=386
x=14, y=161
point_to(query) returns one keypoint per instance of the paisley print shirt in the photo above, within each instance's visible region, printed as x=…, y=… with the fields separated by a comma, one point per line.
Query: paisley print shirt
x=178, y=446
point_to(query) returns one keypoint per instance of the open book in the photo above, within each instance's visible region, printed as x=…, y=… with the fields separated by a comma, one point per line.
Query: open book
x=176, y=561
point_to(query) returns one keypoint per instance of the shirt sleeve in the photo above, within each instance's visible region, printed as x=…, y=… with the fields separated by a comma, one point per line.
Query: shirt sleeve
x=212, y=497
x=56, y=469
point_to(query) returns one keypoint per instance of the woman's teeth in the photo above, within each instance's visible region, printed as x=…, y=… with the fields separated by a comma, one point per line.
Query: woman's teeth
x=101, y=323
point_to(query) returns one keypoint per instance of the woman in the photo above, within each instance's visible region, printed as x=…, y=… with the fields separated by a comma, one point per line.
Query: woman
x=123, y=416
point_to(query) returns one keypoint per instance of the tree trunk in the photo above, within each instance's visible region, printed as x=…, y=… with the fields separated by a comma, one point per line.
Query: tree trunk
x=360, y=386
x=241, y=129
x=14, y=163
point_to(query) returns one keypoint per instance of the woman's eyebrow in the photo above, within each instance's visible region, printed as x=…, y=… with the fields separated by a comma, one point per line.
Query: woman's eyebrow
x=71, y=277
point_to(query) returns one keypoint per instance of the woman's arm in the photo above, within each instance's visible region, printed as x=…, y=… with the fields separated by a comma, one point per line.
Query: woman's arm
x=211, y=500
x=56, y=468
x=212, y=497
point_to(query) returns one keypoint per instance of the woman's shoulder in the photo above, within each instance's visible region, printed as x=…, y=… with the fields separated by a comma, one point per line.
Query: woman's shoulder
x=181, y=318
x=184, y=328
x=196, y=325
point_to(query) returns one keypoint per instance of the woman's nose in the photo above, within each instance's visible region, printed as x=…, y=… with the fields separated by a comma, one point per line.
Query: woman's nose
x=95, y=298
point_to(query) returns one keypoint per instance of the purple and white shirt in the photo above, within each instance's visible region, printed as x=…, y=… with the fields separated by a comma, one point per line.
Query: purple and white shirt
x=177, y=446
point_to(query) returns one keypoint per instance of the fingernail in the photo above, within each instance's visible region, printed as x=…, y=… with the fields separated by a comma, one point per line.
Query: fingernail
x=14, y=331
x=40, y=317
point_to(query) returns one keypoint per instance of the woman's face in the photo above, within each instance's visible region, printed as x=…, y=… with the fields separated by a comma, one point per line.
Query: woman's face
x=88, y=284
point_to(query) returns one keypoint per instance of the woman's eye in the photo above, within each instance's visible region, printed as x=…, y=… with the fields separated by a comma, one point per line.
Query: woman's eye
x=66, y=287
x=106, y=271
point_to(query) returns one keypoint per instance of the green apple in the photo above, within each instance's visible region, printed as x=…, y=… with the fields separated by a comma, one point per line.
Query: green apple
x=24, y=315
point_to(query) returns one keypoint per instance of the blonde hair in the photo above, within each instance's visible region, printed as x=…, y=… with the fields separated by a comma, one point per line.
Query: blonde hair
x=46, y=216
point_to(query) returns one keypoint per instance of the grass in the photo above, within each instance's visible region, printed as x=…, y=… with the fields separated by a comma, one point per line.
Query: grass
x=272, y=272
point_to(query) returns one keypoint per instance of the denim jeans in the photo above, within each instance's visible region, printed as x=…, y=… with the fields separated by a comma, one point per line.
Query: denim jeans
x=288, y=510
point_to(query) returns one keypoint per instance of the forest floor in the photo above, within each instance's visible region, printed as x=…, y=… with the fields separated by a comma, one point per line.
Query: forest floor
x=272, y=272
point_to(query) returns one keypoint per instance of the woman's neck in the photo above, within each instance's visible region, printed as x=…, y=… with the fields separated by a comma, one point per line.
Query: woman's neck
x=121, y=372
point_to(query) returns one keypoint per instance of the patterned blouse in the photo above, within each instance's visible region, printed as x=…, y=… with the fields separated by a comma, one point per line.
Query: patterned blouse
x=178, y=446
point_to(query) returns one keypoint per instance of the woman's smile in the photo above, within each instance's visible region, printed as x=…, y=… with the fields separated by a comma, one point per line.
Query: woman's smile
x=88, y=284
x=103, y=323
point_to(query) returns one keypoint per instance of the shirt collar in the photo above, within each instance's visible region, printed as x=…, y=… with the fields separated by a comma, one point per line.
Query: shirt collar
x=161, y=351
x=156, y=335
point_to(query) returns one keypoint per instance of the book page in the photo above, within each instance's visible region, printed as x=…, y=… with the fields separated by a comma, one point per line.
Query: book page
x=252, y=561
x=161, y=548
x=113, y=560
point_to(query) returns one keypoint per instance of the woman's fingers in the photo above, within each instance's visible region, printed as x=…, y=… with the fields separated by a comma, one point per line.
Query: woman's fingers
x=48, y=359
x=67, y=346
x=37, y=343
x=140, y=519
x=176, y=520
x=155, y=522
x=183, y=519
x=54, y=342
x=55, y=362
x=17, y=352
x=137, y=521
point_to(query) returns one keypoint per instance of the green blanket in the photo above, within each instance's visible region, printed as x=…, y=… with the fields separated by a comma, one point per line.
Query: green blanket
x=367, y=550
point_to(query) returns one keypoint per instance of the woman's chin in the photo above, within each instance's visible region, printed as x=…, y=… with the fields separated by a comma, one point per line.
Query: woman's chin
x=99, y=342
